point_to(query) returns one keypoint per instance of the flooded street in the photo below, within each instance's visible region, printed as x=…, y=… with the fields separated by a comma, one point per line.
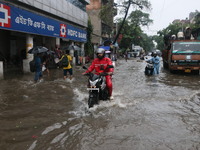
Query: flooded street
x=147, y=113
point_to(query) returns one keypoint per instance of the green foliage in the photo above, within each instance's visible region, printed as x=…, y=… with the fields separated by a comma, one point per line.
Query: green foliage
x=139, y=18
x=196, y=25
x=132, y=32
x=126, y=4
x=159, y=41
x=197, y=19
x=147, y=43
x=174, y=28
x=89, y=50
x=131, y=28
x=141, y=3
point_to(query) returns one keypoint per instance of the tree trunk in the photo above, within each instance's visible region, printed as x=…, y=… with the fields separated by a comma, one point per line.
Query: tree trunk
x=122, y=23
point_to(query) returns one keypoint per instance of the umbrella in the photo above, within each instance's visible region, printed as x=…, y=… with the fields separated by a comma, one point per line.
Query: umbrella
x=76, y=48
x=107, y=48
x=50, y=52
x=37, y=49
x=67, y=48
x=71, y=47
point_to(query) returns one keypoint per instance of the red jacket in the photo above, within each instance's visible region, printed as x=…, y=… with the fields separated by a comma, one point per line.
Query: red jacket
x=100, y=65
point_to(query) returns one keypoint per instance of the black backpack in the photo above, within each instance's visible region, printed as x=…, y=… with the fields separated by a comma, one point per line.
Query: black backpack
x=32, y=66
x=65, y=61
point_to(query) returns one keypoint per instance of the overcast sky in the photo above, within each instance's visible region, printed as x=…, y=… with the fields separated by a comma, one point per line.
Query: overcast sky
x=165, y=12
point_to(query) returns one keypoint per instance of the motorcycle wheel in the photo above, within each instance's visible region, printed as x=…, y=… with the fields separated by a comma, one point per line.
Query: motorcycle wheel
x=93, y=99
x=146, y=71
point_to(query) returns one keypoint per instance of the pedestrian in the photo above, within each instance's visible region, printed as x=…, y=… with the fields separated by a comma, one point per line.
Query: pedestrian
x=58, y=52
x=126, y=56
x=156, y=62
x=45, y=62
x=57, y=56
x=66, y=63
x=38, y=67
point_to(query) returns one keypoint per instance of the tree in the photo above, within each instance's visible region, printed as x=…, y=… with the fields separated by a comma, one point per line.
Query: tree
x=132, y=32
x=88, y=45
x=174, y=28
x=197, y=19
x=159, y=41
x=139, y=18
x=147, y=43
x=126, y=5
x=196, y=25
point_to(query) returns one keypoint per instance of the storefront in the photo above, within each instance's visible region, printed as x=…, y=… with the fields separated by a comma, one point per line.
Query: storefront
x=21, y=30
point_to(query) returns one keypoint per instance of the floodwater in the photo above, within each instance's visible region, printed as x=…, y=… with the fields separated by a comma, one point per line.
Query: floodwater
x=148, y=113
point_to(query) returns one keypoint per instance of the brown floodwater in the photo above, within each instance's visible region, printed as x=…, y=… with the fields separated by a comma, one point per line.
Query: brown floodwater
x=159, y=112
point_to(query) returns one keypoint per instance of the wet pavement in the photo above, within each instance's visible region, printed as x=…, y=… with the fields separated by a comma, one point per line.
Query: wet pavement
x=147, y=113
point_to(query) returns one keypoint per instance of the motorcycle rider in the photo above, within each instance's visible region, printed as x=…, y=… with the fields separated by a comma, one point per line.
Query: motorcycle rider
x=100, y=65
x=156, y=62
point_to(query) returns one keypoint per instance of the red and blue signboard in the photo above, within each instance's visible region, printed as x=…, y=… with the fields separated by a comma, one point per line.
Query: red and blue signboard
x=12, y=18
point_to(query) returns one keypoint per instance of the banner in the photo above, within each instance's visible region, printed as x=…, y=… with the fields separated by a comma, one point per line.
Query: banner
x=12, y=18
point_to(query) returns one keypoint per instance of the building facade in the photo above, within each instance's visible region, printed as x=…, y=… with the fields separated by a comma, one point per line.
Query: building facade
x=101, y=14
x=50, y=23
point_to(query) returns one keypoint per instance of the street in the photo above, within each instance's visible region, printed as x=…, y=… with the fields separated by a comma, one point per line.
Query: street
x=148, y=113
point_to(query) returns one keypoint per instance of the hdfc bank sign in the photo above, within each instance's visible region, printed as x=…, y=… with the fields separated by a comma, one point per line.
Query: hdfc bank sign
x=17, y=19
x=5, y=18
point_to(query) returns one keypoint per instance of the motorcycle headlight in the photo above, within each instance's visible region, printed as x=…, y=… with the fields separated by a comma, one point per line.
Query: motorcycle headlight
x=93, y=83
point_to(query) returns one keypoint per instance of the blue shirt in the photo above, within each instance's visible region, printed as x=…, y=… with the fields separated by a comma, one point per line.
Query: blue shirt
x=38, y=64
x=156, y=60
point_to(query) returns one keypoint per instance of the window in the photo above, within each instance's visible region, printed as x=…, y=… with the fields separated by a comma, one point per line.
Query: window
x=186, y=46
x=79, y=3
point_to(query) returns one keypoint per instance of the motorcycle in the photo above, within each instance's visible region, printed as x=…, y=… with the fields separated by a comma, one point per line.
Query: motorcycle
x=97, y=87
x=149, y=68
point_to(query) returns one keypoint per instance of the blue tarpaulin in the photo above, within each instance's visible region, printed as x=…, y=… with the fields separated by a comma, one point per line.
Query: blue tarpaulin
x=107, y=48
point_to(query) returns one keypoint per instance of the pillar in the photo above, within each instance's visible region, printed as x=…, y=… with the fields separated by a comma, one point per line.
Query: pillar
x=58, y=42
x=29, y=57
x=72, y=54
x=1, y=70
x=95, y=48
x=83, y=52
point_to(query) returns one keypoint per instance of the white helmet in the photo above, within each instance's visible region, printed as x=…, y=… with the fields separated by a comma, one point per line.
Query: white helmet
x=100, y=51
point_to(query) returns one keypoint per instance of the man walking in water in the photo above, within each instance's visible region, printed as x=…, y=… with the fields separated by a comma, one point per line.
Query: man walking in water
x=67, y=59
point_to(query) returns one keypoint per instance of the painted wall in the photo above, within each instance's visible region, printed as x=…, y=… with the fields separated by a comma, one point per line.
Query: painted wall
x=61, y=8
